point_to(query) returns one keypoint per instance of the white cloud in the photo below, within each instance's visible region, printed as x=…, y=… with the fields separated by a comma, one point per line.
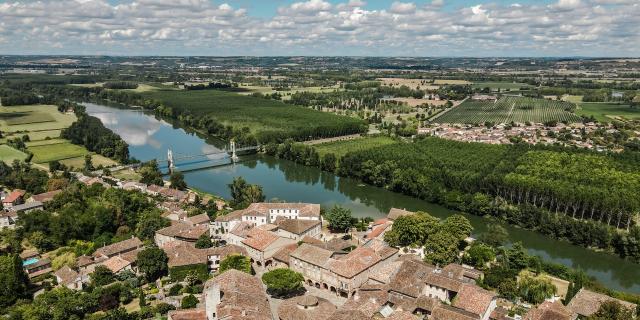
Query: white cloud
x=403, y=7
x=316, y=27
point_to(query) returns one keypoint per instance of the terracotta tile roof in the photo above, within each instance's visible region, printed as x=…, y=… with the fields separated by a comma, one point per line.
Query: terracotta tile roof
x=445, y=312
x=305, y=308
x=131, y=256
x=234, y=215
x=377, y=231
x=305, y=209
x=199, y=219
x=267, y=227
x=311, y=240
x=297, y=226
x=244, y=296
x=349, y=315
x=282, y=255
x=189, y=314
x=260, y=239
x=66, y=275
x=586, y=303
x=402, y=315
x=184, y=231
x=548, y=311
x=13, y=196
x=45, y=197
x=119, y=247
x=337, y=244
x=367, y=301
x=442, y=281
x=183, y=254
x=355, y=262
x=242, y=229
x=226, y=250
x=396, y=213
x=460, y=272
x=40, y=263
x=28, y=254
x=427, y=303
x=380, y=221
x=410, y=277
x=83, y=261
x=312, y=254
x=116, y=264
x=473, y=299
x=383, y=273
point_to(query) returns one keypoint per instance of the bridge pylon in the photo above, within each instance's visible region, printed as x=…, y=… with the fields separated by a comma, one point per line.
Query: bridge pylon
x=171, y=162
x=234, y=156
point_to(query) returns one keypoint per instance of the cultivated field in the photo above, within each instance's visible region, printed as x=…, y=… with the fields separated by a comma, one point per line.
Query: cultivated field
x=33, y=118
x=257, y=114
x=8, y=154
x=340, y=148
x=603, y=111
x=450, y=81
x=507, y=109
x=411, y=102
x=45, y=153
x=286, y=94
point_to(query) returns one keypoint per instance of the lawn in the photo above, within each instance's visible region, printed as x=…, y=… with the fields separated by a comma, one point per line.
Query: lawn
x=59, y=151
x=8, y=154
x=96, y=159
x=608, y=111
x=33, y=118
x=260, y=116
x=340, y=148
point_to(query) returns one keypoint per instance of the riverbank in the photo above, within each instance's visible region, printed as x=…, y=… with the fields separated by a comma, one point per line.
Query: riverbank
x=149, y=138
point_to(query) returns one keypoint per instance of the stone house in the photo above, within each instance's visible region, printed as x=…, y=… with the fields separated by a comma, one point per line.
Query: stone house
x=297, y=229
x=262, y=245
x=235, y=295
x=180, y=231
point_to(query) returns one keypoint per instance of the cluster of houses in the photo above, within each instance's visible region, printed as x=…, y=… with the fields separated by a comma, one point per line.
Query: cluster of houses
x=533, y=133
x=347, y=278
x=14, y=202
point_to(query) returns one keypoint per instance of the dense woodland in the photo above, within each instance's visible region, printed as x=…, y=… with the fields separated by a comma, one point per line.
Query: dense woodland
x=93, y=135
x=583, y=197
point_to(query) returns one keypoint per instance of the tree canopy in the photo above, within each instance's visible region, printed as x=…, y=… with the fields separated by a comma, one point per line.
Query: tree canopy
x=152, y=262
x=243, y=193
x=237, y=262
x=283, y=281
x=339, y=219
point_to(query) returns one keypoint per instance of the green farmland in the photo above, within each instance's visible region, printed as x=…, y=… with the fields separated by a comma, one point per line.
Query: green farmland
x=261, y=117
x=608, y=111
x=340, y=148
x=56, y=151
x=508, y=109
x=8, y=154
x=33, y=118
x=500, y=85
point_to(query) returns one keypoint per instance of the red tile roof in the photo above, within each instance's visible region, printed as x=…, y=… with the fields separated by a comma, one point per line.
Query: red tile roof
x=197, y=314
x=13, y=196
x=260, y=239
x=474, y=299
x=45, y=197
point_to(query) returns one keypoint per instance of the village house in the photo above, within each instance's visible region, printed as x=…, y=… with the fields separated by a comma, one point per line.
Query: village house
x=235, y=295
x=238, y=233
x=69, y=278
x=38, y=268
x=585, y=303
x=186, y=254
x=264, y=213
x=118, y=264
x=262, y=245
x=548, y=311
x=27, y=207
x=8, y=219
x=14, y=198
x=297, y=229
x=44, y=197
x=118, y=248
x=180, y=231
x=341, y=274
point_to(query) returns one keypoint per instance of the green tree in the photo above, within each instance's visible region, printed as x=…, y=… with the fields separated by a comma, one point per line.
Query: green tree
x=150, y=174
x=237, y=262
x=204, y=241
x=612, y=310
x=88, y=164
x=508, y=289
x=13, y=280
x=412, y=229
x=283, y=281
x=243, y=193
x=535, y=290
x=517, y=257
x=152, y=262
x=479, y=255
x=496, y=235
x=142, y=299
x=177, y=180
x=149, y=223
x=102, y=276
x=458, y=225
x=441, y=248
x=189, y=302
x=329, y=162
x=339, y=219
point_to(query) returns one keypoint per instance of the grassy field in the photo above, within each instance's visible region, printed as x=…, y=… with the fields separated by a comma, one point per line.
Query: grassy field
x=8, y=154
x=259, y=115
x=450, y=81
x=45, y=142
x=340, y=148
x=508, y=109
x=33, y=118
x=500, y=85
x=286, y=95
x=56, y=151
x=608, y=111
x=96, y=159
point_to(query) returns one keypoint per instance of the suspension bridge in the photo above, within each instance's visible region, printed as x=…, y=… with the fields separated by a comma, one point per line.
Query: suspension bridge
x=205, y=159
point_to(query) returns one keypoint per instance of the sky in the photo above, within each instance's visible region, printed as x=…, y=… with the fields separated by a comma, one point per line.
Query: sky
x=430, y=28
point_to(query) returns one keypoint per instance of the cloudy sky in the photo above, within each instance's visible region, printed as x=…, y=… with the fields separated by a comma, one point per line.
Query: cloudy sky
x=322, y=27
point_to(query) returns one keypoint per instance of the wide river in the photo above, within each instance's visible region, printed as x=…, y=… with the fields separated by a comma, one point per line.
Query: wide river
x=149, y=138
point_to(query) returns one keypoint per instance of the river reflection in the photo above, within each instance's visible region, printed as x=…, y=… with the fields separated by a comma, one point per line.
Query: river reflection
x=149, y=138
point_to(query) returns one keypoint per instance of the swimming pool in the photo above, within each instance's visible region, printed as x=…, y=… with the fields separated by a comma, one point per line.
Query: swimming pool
x=29, y=261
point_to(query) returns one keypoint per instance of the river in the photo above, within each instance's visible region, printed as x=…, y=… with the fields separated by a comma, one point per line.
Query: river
x=149, y=138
